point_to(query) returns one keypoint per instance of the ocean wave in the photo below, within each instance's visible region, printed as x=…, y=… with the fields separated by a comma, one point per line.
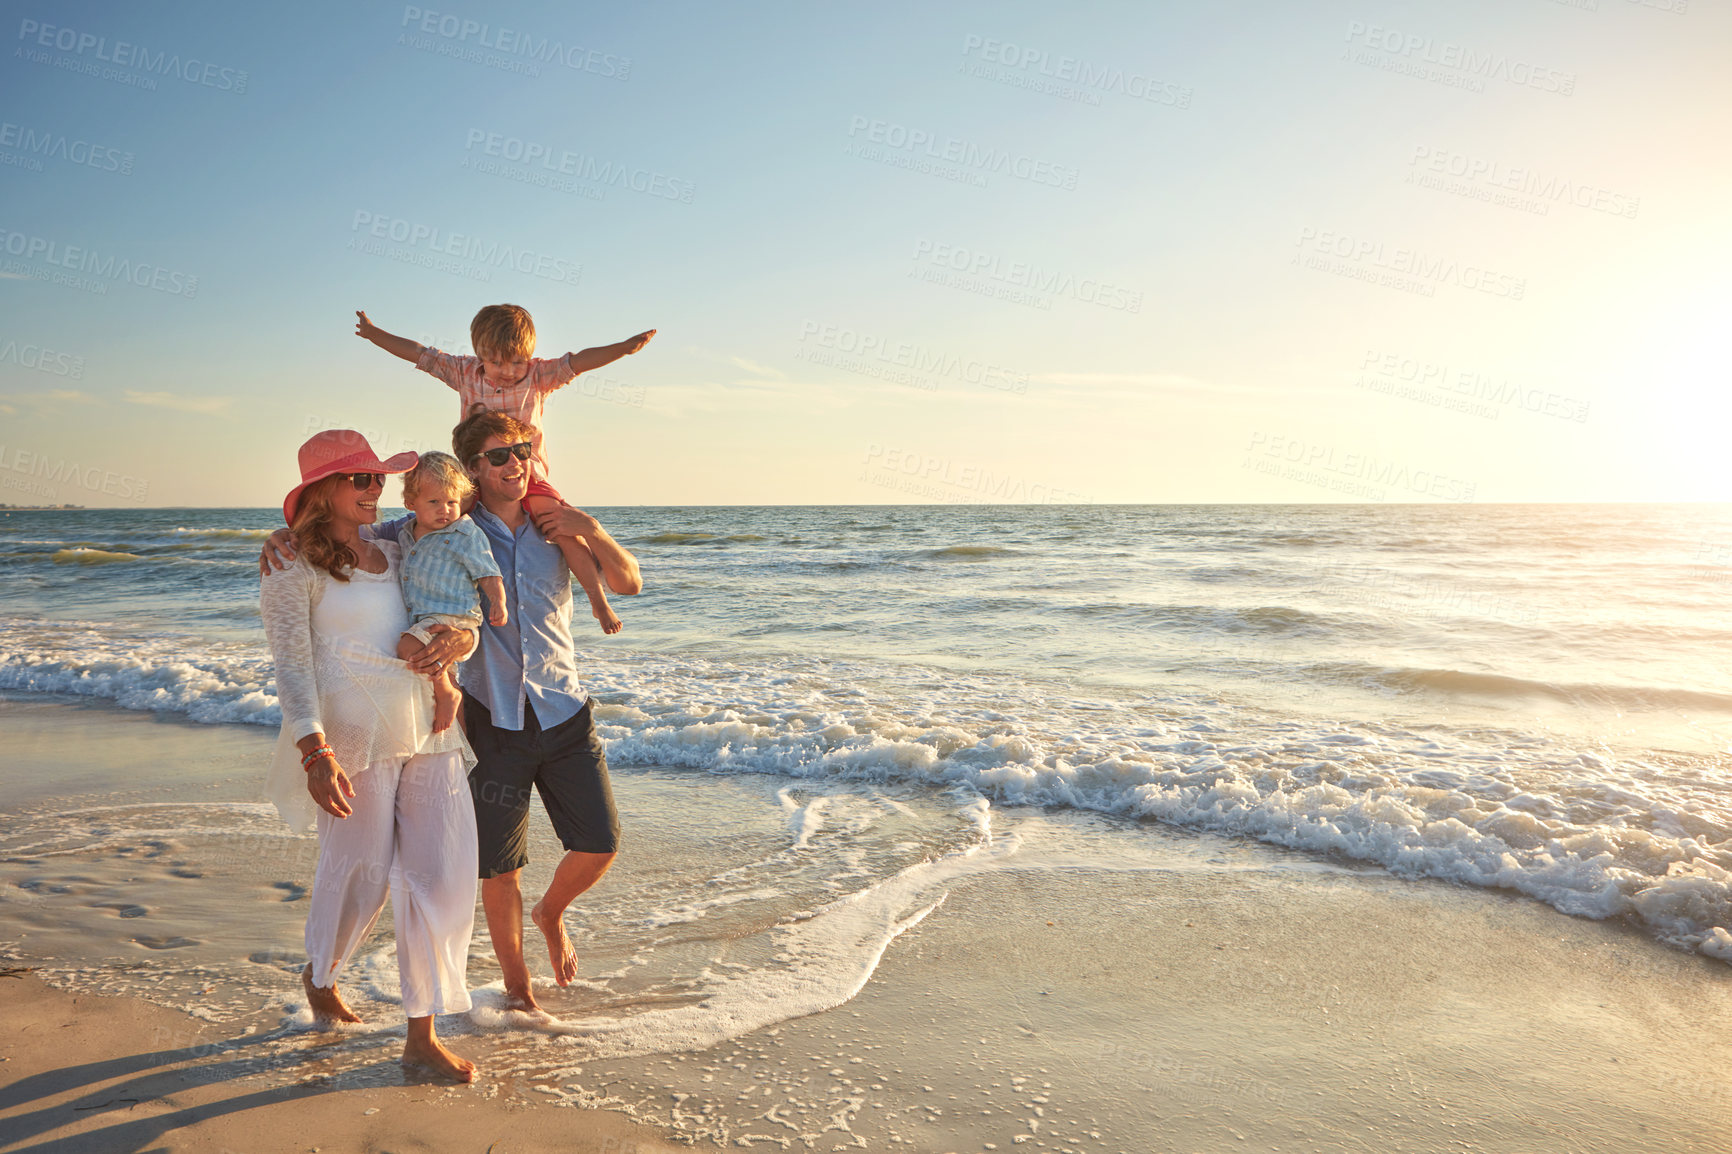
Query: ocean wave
x=205, y=681
x=1511, y=687
x=156, y=555
x=676, y=539
x=1266, y=619
x=87, y=556
x=969, y=552
x=1589, y=834
x=224, y=534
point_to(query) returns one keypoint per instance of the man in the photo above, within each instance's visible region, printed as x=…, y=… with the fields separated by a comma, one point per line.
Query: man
x=525, y=711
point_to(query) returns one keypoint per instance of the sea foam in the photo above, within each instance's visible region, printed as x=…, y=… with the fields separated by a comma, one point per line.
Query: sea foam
x=1589, y=834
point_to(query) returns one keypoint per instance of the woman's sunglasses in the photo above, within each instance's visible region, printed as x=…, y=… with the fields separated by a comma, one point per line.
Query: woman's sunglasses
x=498, y=457
x=365, y=481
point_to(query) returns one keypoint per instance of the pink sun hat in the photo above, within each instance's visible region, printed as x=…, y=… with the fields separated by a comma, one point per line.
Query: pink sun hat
x=340, y=451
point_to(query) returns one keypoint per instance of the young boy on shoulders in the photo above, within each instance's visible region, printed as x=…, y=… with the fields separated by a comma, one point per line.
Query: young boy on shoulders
x=505, y=375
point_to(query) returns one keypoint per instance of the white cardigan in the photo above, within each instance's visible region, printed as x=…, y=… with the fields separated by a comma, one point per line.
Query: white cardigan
x=335, y=647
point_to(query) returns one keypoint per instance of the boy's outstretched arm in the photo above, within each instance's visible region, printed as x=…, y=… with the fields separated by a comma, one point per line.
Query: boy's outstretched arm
x=397, y=346
x=583, y=362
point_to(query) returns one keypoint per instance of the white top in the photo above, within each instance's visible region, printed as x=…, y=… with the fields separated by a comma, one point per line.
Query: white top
x=335, y=647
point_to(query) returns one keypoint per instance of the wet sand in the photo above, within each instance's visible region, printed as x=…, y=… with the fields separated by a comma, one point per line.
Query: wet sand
x=1198, y=994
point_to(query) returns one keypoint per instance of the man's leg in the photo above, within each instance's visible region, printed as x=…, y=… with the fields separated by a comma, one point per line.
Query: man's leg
x=502, y=901
x=576, y=873
x=578, y=798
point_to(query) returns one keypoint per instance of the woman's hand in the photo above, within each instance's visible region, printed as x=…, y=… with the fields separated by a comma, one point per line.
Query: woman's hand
x=329, y=785
x=450, y=644
x=278, y=552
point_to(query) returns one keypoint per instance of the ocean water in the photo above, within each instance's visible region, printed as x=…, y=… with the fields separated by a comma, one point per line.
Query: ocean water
x=874, y=701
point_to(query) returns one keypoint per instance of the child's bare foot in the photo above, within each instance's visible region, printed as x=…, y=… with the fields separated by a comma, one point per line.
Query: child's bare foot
x=430, y=1056
x=446, y=699
x=327, y=1005
x=610, y=622
x=559, y=949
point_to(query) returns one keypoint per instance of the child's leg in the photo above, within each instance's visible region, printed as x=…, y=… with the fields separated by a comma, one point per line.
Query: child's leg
x=446, y=696
x=583, y=566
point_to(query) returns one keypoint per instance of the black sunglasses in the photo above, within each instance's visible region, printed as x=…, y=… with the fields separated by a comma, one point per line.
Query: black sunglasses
x=497, y=457
x=365, y=481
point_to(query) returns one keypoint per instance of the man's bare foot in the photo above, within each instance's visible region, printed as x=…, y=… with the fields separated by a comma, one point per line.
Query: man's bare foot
x=429, y=1055
x=559, y=949
x=523, y=1001
x=446, y=699
x=610, y=622
x=327, y=1005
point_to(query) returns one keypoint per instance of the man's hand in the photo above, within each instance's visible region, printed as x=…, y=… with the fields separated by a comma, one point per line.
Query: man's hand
x=618, y=567
x=278, y=552
x=329, y=785
x=450, y=644
x=633, y=344
x=566, y=521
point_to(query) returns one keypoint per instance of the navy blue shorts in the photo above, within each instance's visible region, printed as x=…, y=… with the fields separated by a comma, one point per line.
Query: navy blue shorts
x=567, y=765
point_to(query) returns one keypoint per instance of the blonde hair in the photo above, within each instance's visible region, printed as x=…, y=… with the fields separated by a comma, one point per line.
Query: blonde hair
x=436, y=473
x=503, y=330
x=312, y=528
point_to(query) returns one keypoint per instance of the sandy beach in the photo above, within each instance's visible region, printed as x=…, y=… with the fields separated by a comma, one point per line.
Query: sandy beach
x=110, y=1074
x=1064, y=993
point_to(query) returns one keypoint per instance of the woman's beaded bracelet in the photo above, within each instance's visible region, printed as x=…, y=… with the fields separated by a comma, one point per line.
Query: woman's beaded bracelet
x=315, y=754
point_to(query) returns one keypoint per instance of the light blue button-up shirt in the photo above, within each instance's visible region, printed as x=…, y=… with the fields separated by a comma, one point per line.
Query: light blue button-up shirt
x=531, y=657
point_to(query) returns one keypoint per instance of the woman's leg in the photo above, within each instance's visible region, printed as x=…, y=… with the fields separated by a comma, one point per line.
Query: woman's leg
x=433, y=886
x=349, y=886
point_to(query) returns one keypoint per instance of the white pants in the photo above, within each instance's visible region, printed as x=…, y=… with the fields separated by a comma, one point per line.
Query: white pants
x=412, y=836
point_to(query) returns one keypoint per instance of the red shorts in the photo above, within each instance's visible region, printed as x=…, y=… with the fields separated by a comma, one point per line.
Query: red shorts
x=539, y=488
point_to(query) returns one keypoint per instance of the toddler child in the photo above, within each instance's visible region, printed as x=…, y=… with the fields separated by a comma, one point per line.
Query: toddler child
x=505, y=375
x=445, y=559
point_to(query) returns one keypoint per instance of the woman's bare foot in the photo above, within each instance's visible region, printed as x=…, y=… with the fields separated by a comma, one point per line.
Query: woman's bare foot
x=430, y=1055
x=610, y=622
x=559, y=949
x=446, y=699
x=327, y=1004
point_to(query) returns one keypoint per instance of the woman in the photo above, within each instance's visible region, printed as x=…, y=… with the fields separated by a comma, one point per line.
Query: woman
x=393, y=808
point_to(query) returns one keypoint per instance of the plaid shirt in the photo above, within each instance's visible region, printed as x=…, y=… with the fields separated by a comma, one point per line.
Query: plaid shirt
x=522, y=400
x=440, y=569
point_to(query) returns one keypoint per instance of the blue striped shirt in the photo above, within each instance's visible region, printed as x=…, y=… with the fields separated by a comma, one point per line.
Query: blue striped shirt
x=531, y=657
x=440, y=569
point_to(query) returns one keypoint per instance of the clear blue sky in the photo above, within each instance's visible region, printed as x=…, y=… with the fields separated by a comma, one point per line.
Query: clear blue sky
x=1109, y=252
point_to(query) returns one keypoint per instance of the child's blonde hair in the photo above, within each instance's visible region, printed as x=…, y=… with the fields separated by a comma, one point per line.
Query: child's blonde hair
x=436, y=473
x=503, y=330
